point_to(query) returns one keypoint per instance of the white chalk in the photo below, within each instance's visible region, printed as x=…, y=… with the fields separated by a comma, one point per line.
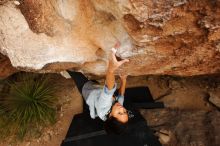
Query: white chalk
x=17, y=3
x=114, y=50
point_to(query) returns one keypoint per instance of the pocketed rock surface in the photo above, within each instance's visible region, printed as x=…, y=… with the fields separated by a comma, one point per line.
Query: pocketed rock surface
x=173, y=37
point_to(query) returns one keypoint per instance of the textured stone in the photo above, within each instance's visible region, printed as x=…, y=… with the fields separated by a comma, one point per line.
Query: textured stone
x=6, y=68
x=176, y=37
x=190, y=128
x=215, y=98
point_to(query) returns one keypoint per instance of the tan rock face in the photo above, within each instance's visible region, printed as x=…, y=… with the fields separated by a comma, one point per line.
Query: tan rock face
x=177, y=37
x=6, y=69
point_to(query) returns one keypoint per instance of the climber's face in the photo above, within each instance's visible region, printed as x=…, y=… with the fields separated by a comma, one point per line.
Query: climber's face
x=119, y=112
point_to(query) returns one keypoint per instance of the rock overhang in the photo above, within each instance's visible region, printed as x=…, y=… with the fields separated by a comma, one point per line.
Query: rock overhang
x=178, y=37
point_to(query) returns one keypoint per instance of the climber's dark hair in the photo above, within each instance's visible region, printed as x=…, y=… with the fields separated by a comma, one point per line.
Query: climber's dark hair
x=113, y=126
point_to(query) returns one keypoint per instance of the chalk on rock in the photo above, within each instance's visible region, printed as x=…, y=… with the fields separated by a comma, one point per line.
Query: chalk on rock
x=17, y=3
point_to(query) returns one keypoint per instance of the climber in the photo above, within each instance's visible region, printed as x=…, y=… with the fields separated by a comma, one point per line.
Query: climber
x=101, y=100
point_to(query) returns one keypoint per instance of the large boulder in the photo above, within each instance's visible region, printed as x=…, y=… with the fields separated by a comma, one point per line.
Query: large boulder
x=176, y=37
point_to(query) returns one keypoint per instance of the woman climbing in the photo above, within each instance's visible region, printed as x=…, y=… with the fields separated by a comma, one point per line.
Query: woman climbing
x=101, y=101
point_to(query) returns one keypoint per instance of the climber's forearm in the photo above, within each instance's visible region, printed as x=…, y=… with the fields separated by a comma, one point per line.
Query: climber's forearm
x=122, y=87
x=110, y=79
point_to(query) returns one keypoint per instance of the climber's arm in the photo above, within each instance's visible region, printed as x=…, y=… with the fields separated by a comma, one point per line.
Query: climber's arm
x=123, y=79
x=113, y=65
x=110, y=79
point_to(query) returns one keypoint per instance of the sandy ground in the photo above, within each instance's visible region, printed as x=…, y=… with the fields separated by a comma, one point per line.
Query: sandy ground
x=177, y=93
x=70, y=103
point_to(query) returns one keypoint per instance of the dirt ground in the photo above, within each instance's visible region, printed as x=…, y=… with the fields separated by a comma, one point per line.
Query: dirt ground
x=188, y=95
x=70, y=103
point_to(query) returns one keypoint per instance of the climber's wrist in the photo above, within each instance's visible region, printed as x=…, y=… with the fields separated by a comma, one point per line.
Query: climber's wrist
x=109, y=70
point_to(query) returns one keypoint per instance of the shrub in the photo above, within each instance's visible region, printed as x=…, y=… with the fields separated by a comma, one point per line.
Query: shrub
x=29, y=105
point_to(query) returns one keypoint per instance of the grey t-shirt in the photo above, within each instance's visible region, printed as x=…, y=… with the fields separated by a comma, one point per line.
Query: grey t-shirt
x=99, y=99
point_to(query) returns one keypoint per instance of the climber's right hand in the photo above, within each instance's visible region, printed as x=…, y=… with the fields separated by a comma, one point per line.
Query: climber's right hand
x=113, y=63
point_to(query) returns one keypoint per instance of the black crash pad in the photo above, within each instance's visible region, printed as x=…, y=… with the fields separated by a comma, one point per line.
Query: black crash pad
x=85, y=131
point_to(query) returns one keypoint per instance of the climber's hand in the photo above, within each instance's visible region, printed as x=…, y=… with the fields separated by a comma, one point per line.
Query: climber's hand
x=113, y=63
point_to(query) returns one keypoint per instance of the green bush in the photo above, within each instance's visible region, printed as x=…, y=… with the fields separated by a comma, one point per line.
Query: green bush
x=29, y=105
